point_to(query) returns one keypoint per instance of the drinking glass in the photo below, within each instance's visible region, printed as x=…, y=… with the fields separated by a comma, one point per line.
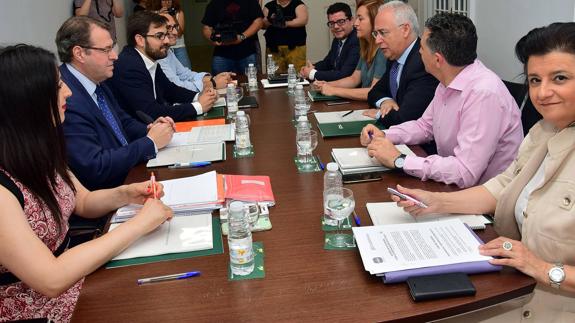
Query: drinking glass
x=339, y=203
x=307, y=142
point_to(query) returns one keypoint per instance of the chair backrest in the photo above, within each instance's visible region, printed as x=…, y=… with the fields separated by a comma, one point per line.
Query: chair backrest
x=529, y=116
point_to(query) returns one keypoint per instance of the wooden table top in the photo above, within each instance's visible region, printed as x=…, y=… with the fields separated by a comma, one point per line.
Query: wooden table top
x=303, y=282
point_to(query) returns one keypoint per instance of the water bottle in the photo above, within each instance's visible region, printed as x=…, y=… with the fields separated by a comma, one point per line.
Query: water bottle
x=331, y=179
x=300, y=103
x=292, y=79
x=243, y=143
x=240, y=240
x=231, y=101
x=252, y=77
x=271, y=65
x=302, y=126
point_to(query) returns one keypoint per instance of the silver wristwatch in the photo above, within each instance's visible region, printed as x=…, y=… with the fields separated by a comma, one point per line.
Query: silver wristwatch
x=399, y=162
x=556, y=275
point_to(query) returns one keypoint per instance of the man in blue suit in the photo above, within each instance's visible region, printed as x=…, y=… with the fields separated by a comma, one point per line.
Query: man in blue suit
x=341, y=60
x=103, y=141
x=139, y=82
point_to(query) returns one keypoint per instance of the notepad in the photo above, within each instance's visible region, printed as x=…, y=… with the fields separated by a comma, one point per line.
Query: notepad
x=386, y=213
x=200, y=152
x=317, y=96
x=357, y=160
x=203, y=134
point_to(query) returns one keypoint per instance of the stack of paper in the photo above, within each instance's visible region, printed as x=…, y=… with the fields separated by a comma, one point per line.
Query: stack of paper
x=204, y=134
x=358, y=161
x=268, y=85
x=249, y=188
x=196, y=194
x=342, y=123
x=181, y=234
x=399, y=251
x=199, y=152
x=386, y=213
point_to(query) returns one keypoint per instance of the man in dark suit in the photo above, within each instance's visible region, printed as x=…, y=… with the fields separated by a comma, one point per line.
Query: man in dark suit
x=103, y=142
x=139, y=82
x=342, y=58
x=406, y=89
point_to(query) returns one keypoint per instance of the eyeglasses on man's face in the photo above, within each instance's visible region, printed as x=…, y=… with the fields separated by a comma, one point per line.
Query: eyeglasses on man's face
x=382, y=32
x=174, y=27
x=339, y=22
x=159, y=36
x=104, y=50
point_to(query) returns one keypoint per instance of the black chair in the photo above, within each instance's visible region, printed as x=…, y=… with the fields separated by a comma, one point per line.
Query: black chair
x=529, y=116
x=82, y=230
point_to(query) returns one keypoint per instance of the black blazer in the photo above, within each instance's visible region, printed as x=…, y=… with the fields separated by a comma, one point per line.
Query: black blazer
x=95, y=154
x=133, y=87
x=414, y=93
x=330, y=68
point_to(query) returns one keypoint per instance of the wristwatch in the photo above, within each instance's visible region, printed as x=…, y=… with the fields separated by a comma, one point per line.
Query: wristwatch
x=556, y=275
x=242, y=37
x=399, y=161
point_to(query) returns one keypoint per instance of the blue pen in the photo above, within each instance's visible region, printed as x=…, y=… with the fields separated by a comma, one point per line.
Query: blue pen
x=189, y=165
x=370, y=134
x=321, y=165
x=142, y=281
x=356, y=218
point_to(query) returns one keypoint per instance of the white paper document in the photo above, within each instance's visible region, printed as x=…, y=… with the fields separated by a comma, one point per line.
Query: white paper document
x=338, y=116
x=204, y=134
x=416, y=245
x=199, y=152
x=268, y=85
x=385, y=213
x=181, y=234
x=221, y=101
x=348, y=158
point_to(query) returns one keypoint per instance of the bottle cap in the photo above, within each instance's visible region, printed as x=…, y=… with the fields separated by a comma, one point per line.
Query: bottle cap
x=290, y=65
x=250, y=64
x=241, y=113
x=332, y=167
x=269, y=55
x=236, y=206
x=231, y=85
x=300, y=118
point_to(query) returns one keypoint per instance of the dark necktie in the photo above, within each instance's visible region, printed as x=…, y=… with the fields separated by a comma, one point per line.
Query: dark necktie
x=393, y=79
x=109, y=116
x=339, y=47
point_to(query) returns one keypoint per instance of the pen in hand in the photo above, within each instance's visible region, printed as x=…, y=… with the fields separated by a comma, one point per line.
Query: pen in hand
x=154, y=190
x=142, y=281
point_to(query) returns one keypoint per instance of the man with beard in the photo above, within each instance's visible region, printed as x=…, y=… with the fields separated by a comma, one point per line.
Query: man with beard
x=139, y=82
x=103, y=142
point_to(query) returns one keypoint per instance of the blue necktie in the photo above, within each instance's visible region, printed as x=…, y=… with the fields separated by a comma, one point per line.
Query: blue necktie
x=339, y=47
x=393, y=79
x=109, y=116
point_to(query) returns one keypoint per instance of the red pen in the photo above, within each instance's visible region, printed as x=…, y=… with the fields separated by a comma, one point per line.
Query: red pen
x=153, y=180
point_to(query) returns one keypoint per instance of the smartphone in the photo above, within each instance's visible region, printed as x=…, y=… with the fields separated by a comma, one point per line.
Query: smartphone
x=362, y=177
x=406, y=197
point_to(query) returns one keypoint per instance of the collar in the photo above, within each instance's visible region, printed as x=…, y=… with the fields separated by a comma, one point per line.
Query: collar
x=83, y=79
x=150, y=65
x=461, y=80
x=401, y=60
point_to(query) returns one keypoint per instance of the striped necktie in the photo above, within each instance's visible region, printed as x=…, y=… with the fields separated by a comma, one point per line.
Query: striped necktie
x=109, y=116
x=393, y=79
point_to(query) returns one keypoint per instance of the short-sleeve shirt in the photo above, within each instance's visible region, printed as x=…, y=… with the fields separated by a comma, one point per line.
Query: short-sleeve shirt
x=100, y=10
x=375, y=70
x=291, y=36
x=239, y=14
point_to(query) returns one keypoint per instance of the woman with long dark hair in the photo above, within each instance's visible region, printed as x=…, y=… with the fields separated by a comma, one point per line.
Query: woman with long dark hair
x=39, y=278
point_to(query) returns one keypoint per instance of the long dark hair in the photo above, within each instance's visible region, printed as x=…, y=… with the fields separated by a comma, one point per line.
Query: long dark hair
x=32, y=148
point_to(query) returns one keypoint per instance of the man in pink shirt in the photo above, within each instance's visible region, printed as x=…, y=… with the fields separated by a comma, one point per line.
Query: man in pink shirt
x=473, y=119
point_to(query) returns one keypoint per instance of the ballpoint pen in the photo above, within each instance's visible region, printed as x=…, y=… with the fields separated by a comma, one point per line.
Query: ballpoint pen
x=321, y=165
x=142, y=281
x=370, y=134
x=356, y=218
x=347, y=113
x=330, y=103
x=189, y=165
x=153, y=180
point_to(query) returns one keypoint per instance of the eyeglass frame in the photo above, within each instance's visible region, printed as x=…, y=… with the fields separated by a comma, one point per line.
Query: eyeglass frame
x=161, y=36
x=175, y=26
x=383, y=33
x=339, y=22
x=103, y=50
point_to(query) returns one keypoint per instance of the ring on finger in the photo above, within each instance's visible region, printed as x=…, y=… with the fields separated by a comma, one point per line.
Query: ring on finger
x=507, y=246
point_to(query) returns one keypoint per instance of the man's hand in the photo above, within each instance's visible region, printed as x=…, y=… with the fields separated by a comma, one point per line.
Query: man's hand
x=223, y=79
x=161, y=133
x=318, y=85
x=384, y=151
x=167, y=120
x=327, y=89
x=207, y=98
x=305, y=70
x=368, y=133
x=388, y=105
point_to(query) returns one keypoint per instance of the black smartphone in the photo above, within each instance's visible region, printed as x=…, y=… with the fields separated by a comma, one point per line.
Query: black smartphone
x=440, y=286
x=362, y=177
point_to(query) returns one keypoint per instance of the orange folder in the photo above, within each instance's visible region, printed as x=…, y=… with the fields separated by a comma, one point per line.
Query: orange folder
x=185, y=126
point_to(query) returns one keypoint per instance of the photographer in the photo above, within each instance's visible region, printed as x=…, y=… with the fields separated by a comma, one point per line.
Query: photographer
x=232, y=26
x=285, y=22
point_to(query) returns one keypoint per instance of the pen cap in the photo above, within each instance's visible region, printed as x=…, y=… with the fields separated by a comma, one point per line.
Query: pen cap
x=332, y=167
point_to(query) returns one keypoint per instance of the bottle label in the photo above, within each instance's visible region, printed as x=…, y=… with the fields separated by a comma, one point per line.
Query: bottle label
x=241, y=251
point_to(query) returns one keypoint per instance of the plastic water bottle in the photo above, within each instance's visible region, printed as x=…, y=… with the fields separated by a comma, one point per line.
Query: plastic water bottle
x=252, y=77
x=292, y=79
x=331, y=179
x=243, y=143
x=271, y=65
x=300, y=103
x=231, y=101
x=302, y=126
x=240, y=240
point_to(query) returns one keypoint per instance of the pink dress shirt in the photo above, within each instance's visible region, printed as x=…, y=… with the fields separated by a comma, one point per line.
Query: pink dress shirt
x=476, y=125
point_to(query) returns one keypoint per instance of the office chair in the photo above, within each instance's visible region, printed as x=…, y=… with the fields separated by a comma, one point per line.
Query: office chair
x=529, y=116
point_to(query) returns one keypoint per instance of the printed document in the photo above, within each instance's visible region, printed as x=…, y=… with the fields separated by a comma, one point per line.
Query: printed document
x=200, y=152
x=203, y=134
x=338, y=116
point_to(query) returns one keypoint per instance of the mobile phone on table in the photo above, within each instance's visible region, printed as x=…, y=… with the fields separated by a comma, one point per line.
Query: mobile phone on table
x=406, y=197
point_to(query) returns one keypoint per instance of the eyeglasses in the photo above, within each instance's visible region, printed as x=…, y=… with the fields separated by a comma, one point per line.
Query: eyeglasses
x=382, y=32
x=339, y=22
x=175, y=27
x=104, y=50
x=160, y=35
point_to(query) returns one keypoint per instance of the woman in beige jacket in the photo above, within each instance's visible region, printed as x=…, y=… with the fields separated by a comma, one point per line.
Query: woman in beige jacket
x=534, y=199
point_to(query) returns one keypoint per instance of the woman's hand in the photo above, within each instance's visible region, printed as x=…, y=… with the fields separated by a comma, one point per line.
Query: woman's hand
x=516, y=255
x=153, y=214
x=327, y=89
x=431, y=199
x=138, y=193
x=317, y=85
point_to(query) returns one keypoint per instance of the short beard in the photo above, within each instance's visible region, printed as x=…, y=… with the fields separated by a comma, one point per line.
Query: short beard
x=155, y=54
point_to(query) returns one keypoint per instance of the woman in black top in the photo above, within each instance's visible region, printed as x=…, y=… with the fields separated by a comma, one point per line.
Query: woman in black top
x=285, y=22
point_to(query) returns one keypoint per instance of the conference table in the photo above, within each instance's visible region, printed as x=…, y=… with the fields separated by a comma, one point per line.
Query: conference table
x=303, y=282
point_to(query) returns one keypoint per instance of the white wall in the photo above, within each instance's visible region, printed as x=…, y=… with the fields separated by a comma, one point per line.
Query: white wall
x=501, y=23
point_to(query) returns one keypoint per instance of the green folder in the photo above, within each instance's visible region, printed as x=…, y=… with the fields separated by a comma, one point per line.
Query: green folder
x=317, y=96
x=218, y=248
x=214, y=113
x=337, y=129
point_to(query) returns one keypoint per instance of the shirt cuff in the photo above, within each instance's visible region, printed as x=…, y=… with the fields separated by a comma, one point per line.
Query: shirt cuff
x=198, y=107
x=380, y=101
x=155, y=147
x=414, y=165
x=312, y=74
